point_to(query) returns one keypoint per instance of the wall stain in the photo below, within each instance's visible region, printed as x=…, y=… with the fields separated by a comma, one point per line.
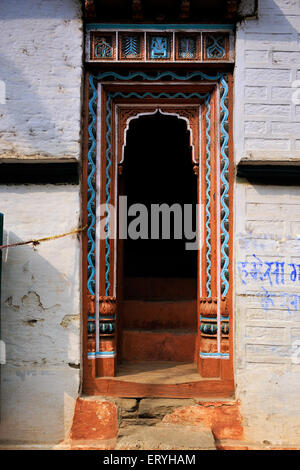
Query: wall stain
x=67, y=319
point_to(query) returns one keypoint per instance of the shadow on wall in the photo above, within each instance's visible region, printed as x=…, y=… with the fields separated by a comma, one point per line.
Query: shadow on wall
x=43, y=9
x=26, y=125
x=277, y=18
x=40, y=327
x=41, y=69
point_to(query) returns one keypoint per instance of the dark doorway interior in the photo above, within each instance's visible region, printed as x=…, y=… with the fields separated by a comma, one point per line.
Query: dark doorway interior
x=158, y=169
x=160, y=276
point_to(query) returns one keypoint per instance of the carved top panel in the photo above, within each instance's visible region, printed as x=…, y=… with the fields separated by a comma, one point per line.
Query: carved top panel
x=103, y=44
x=190, y=113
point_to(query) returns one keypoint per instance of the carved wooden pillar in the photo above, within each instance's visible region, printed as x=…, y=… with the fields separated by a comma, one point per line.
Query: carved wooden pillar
x=106, y=360
x=91, y=333
x=212, y=319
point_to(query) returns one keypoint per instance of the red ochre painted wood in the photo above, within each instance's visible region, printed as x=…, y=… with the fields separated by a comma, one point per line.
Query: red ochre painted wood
x=159, y=315
x=159, y=288
x=158, y=346
x=223, y=384
x=112, y=387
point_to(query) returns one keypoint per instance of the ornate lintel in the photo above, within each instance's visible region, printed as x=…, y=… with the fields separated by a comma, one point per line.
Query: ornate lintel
x=90, y=8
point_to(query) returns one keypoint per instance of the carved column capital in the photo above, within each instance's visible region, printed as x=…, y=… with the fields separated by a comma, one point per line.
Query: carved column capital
x=107, y=305
x=209, y=306
x=90, y=8
x=196, y=169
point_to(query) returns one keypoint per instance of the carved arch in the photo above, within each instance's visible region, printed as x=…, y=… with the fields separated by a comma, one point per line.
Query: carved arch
x=190, y=116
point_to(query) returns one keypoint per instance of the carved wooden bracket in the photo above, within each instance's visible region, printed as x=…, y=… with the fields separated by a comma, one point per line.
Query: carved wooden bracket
x=185, y=9
x=91, y=304
x=209, y=305
x=196, y=169
x=231, y=9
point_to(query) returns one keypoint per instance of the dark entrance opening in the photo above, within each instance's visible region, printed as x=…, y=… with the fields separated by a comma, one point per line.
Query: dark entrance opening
x=158, y=170
x=159, y=313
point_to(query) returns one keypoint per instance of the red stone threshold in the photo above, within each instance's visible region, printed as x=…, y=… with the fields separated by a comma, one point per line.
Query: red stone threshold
x=204, y=388
x=244, y=445
x=159, y=379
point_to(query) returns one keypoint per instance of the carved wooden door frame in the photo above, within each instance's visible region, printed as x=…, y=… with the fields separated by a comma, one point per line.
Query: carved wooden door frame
x=204, y=101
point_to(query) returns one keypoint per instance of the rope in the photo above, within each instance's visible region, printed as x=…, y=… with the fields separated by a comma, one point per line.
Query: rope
x=45, y=239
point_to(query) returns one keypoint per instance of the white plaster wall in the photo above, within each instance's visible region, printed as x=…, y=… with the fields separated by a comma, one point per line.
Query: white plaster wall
x=41, y=47
x=40, y=312
x=267, y=311
x=267, y=70
x=41, y=51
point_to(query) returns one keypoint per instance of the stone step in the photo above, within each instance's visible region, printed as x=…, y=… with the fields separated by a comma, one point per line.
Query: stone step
x=149, y=408
x=165, y=437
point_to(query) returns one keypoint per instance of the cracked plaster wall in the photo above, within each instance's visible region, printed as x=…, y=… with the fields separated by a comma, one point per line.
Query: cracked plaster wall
x=40, y=313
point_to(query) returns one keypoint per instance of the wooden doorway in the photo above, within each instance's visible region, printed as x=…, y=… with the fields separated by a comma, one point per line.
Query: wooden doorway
x=159, y=306
x=120, y=313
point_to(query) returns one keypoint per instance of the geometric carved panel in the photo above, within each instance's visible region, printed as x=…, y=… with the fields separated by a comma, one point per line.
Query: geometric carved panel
x=160, y=46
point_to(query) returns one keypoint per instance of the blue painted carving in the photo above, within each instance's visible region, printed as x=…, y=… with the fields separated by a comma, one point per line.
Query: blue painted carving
x=159, y=47
x=131, y=46
x=92, y=153
x=107, y=191
x=158, y=27
x=225, y=329
x=107, y=328
x=187, y=48
x=208, y=201
x=103, y=48
x=91, y=324
x=204, y=355
x=215, y=47
x=91, y=187
x=101, y=354
x=209, y=328
x=157, y=75
x=224, y=188
x=91, y=167
x=212, y=328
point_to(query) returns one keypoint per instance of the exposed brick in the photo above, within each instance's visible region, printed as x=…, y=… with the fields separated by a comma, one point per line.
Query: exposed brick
x=256, y=57
x=267, y=109
x=256, y=92
x=286, y=57
x=255, y=127
x=94, y=419
x=224, y=419
x=267, y=144
x=267, y=75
